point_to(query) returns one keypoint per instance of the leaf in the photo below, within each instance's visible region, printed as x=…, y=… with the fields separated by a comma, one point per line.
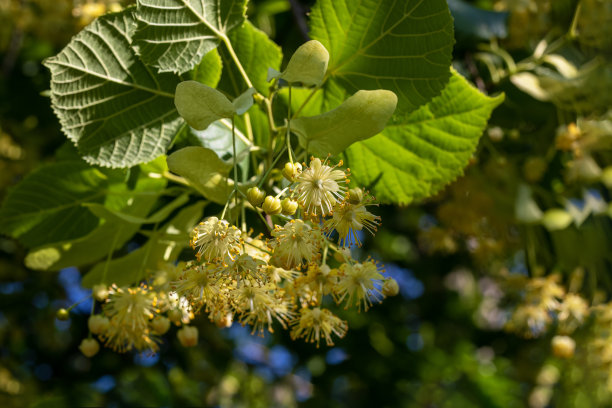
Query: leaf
x=108, y=214
x=256, y=52
x=46, y=205
x=201, y=105
x=307, y=65
x=163, y=246
x=361, y=116
x=113, y=233
x=116, y=111
x=174, y=35
x=208, y=71
x=419, y=153
x=204, y=170
x=401, y=45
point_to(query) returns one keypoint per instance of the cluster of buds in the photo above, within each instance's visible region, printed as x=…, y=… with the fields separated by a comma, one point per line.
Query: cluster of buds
x=288, y=277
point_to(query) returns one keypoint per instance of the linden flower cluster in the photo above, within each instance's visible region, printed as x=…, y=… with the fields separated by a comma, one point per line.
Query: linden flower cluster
x=288, y=278
x=134, y=318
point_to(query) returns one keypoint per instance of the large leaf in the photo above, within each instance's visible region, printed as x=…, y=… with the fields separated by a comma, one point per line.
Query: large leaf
x=174, y=35
x=256, y=52
x=46, y=206
x=401, y=45
x=208, y=71
x=419, y=153
x=164, y=245
x=361, y=116
x=112, y=106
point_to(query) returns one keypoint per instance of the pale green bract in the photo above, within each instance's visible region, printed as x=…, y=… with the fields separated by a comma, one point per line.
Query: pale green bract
x=307, y=65
x=401, y=45
x=112, y=106
x=361, y=116
x=201, y=105
x=174, y=35
x=204, y=170
x=418, y=154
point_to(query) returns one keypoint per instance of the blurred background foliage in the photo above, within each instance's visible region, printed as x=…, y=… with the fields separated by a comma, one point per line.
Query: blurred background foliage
x=505, y=275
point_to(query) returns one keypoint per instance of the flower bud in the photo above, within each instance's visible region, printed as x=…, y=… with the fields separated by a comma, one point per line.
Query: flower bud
x=100, y=292
x=160, y=325
x=255, y=196
x=188, y=336
x=291, y=170
x=390, y=287
x=98, y=324
x=62, y=314
x=355, y=195
x=556, y=219
x=289, y=207
x=89, y=347
x=563, y=346
x=175, y=316
x=272, y=205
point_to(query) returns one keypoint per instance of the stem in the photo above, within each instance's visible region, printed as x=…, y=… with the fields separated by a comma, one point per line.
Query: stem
x=230, y=49
x=289, y=127
x=572, y=31
x=176, y=179
x=265, y=176
x=235, y=167
x=264, y=220
x=227, y=204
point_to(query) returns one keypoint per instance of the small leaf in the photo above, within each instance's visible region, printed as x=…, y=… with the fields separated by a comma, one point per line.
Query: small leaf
x=201, y=105
x=204, y=170
x=361, y=116
x=174, y=35
x=244, y=102
x=307, y=65
x=163, y=246
x=419, y=153
x=113, y=108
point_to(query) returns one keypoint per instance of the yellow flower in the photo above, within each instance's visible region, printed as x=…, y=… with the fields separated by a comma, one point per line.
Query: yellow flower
x=259, y=306
x=319, y=188
x=359, y=284
x=349, y=218
x=198, y=285
x=215, y=239
x=316, y=324
x=244, y=269
x=296, y=242
x=130, y=311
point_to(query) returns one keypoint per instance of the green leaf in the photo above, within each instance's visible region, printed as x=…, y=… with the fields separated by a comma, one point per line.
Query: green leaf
x=114, y=232
x=361, y=116
x=46, y=205
x=307, y=65
x=174, y=35
x=419, y=153
x=164, y=245
x=256, y=52
x=204, y=170
x=201, y=105
x=116, y=111
x=401, y=45
x=108, y=214
x=208, y=71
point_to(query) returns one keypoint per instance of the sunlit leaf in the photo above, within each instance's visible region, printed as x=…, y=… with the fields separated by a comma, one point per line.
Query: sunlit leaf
x=201, y=105
x=174, y=35
x=419, y=153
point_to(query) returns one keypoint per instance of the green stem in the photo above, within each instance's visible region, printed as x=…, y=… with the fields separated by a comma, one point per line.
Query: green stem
x=314, y=90
x=227, y=204
x=267, y=173
x=572, y=31
x=264, y=220
x=235, y=167
x=289, y=127
x=232, y=53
